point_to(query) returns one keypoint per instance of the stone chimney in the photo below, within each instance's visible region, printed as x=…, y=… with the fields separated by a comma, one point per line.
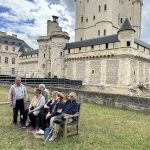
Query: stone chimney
x=14, y=35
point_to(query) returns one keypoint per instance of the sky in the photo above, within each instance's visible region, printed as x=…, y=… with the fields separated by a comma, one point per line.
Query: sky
x=28, y=18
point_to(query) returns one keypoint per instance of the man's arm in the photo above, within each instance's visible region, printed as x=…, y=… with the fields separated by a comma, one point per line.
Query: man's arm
x=10, y=96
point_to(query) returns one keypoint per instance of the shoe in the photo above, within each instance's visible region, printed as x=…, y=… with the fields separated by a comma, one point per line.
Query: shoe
x=51, y=139
x=22, y=126
x=41, y=132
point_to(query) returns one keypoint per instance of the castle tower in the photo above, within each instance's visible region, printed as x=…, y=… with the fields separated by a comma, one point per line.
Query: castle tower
x=97, y=18
x=51, y=50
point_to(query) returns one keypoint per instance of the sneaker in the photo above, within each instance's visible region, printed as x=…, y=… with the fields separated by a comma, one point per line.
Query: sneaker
x=22, y=126
x=51, y=139
x=41, y=132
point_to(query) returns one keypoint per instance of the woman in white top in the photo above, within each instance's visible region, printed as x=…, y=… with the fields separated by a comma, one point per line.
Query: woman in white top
x=36, y=104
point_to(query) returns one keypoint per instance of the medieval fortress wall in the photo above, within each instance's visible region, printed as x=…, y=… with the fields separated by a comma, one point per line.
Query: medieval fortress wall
x=107, y=50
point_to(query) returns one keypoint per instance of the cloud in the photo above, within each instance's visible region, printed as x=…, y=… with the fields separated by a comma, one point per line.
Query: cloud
x=28, y=18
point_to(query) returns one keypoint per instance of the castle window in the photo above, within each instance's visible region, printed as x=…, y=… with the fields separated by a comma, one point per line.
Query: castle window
x=79, y=48
x=81, y=19
x=128, y=43
x=93, y=71
x=107, y=46
x=6, y=42
x=99, y=8
x=61, y=53
x=13, y=71
x=13, y=60
x=105, y=7
x=43, y=66
x=6, y=60
x=68, y=51
x=130, y=18
x=105, y=32
x=99, y=32
x=87, y=1
x=86, y=19
x=137, y=46
x=93, y=17
x=92, y=47
x=44, y=55
x=81, y=39
x=6, y=47
x=13, y=43
x=121, y=20
x=13, y=48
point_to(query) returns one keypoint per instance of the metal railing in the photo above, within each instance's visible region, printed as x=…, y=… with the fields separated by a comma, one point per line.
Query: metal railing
x=47, y=81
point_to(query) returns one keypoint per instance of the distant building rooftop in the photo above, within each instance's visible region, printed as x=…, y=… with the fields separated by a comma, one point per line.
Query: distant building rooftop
x=13, y=40
x=28, y=53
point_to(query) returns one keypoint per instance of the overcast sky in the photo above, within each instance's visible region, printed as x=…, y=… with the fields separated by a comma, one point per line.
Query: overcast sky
x=28, y=18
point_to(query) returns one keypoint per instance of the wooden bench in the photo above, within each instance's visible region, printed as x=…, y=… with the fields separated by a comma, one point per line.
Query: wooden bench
x=71, y=128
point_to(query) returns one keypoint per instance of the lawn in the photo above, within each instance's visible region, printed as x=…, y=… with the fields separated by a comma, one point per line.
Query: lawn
x=101, y=128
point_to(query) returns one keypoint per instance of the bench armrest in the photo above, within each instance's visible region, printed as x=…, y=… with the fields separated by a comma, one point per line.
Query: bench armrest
x=66, y=116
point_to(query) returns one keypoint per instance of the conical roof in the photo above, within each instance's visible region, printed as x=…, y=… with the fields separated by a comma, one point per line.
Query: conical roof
x=126, y=26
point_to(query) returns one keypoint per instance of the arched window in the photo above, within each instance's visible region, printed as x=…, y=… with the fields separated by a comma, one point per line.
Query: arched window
x=99, y=32
x=86, y=19
x=99, y=8
x=81, y=18
x=121, y=20
x=105, y=7
x=93, y=17
x=105, y=32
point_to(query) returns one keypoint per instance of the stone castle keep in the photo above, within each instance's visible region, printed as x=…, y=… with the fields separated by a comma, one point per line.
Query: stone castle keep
x=107, y=49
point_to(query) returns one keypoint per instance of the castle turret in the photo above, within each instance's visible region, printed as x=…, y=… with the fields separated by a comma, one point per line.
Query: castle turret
x=126, y=34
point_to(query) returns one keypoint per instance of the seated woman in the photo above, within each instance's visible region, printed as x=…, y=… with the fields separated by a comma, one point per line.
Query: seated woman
x=36, y=104
x=71, y=107
x=43, y=112
x=54, y=111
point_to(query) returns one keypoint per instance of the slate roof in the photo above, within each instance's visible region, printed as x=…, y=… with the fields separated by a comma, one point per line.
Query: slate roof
x=126, y=26
x=10, y=40
x=137, y=41
x=91, y=42
x=27, y=53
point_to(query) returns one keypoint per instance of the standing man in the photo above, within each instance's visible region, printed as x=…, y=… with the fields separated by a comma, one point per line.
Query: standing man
x=45, y=92
x=17, y=98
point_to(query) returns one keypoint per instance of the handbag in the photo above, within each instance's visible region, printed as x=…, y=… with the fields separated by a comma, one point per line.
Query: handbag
x=59, y=119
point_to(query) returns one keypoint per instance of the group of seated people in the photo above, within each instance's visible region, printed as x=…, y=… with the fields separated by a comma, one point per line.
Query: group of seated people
x=42, y=112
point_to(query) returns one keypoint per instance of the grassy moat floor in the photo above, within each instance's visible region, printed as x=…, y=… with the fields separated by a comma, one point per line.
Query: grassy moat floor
x=101, y=128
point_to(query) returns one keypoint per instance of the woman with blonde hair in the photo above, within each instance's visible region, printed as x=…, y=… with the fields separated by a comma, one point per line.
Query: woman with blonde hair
x=37, y=103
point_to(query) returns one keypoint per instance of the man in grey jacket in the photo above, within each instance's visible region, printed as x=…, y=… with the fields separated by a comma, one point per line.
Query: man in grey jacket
x=17, y=98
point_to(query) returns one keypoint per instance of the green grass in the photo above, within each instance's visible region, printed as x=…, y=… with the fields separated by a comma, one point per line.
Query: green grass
x=101, y=128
